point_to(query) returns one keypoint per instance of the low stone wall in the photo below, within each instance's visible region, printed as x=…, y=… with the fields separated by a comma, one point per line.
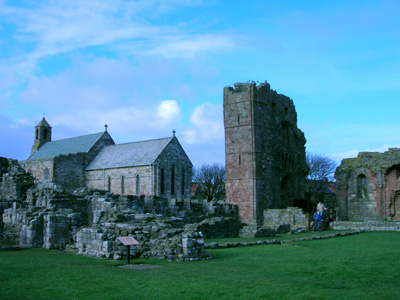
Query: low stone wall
x=156, y=241
x=365, y=225
x=276, y=241
x=294, y=216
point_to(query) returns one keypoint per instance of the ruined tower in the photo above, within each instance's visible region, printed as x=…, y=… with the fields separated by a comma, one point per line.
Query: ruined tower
x=42, y=135
x=264, y=151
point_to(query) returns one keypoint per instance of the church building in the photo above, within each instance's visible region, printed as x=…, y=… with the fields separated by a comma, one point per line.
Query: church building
x=158, y=167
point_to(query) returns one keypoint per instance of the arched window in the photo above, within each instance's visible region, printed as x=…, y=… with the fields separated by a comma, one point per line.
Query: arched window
x=122, y=185
x=162, y=179
x=172, y=179
x=46, y=174
x=109, y=184
x=362, y=186
x=137, y=185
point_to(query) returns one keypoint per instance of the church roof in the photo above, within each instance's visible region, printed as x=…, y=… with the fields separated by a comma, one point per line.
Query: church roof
x=67, y=146
x=130, y=154
x=43, y=123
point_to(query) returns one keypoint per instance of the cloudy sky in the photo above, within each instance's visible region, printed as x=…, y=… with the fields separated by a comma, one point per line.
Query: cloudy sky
x=147, y=67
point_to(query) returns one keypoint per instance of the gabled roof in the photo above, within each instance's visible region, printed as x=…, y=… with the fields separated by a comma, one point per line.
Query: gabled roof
x=130, y=154
x=67, y=146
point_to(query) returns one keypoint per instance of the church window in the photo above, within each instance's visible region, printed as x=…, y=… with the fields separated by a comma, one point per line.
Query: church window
x=122, y=185
x=109, y=184
x=137, y=185
x=162, y=179
x=240, y=160
x=238, y=119
x=37, y=134
x=46, y=174
x=361, y=186
x=173, y=180
x=44, y=133
x=183, y=183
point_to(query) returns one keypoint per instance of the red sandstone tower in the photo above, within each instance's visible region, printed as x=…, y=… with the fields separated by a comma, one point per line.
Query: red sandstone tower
x=264, y=151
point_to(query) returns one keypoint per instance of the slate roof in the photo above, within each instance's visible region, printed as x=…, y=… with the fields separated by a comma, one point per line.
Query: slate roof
x=67, y=146
x=130, y=154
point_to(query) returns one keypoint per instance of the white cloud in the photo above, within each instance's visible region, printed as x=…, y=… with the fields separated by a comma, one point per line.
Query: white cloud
x=206, y=125
x=188, y=46
x=168, y=110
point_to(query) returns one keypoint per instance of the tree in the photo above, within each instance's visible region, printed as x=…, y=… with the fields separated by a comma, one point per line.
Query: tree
x=210, y=180
x=321, y=169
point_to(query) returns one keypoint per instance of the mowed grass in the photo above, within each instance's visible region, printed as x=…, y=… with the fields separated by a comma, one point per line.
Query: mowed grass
x=362, y=266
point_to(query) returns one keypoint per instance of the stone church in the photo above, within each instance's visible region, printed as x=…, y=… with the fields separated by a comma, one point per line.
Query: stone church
x=368, y=187
x=158, y=167
x=264, y=151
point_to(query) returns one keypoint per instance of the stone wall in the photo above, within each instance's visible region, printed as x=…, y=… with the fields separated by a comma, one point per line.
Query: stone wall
x=69, y=170
x=121, y=181
x=89, y=221
x=368, y=187
x=366, y=225
x=157, y=240
x=264, y=150
x=293, y=216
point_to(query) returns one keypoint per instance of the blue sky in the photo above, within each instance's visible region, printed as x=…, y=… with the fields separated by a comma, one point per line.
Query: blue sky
x=147, y=67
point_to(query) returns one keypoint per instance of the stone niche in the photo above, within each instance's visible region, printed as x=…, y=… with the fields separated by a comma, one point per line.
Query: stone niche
x=368, y=187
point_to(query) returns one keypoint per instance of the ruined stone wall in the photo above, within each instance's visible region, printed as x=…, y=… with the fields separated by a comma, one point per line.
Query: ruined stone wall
x=264, y=150
x=293, y=216
x=156, y=241
x=368, y=187
x=37, y=169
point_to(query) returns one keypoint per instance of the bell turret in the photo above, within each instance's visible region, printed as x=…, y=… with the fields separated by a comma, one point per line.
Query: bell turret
x=42, y=135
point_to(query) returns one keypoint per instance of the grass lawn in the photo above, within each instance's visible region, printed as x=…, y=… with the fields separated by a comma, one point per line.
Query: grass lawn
x=362, y=266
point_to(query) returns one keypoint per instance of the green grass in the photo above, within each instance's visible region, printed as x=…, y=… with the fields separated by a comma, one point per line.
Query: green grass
x=362, y=266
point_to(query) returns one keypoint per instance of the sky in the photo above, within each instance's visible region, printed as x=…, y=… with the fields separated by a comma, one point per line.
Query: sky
x=147, y=67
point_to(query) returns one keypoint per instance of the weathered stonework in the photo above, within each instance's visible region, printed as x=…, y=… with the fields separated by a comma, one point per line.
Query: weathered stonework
x=293, y=216
x=264, y=151
x=368, y=187
x=90, y=221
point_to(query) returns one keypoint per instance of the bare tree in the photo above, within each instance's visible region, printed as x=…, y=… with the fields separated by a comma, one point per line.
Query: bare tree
x=210, y=180
x=321, y=170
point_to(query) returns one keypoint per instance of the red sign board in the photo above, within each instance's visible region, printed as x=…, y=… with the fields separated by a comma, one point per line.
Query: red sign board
x=128, y=240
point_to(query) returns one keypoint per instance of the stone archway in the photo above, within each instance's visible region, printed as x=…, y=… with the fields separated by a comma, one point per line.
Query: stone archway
x=394, y=205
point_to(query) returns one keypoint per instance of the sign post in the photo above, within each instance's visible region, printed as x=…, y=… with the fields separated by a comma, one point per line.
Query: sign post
x=128, y=241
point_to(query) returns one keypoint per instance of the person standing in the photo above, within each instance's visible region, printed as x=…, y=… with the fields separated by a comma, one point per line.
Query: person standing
x=321, y=208
x=318, y=216
x=317, y=220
